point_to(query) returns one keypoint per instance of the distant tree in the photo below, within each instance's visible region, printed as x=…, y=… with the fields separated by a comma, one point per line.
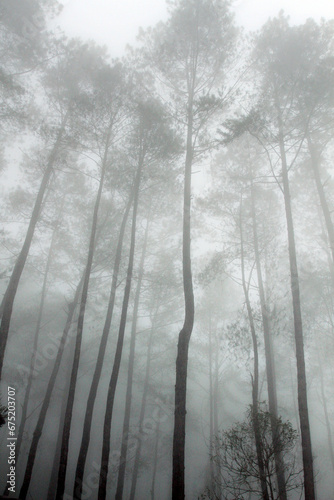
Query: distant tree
x=246, y=173
x=38, y=328
x=316, y=107
x=275, y=122
x=280, y=72
x=230, y=196
x=66, y=85
x=255, y=419
x=49, y=390
x=24, y=47
x=22, y=257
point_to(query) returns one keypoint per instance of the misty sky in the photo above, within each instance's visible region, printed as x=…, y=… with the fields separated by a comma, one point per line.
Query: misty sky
x=116, y=22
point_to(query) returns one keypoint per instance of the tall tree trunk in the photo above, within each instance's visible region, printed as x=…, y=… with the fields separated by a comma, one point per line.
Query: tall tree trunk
x=327, y=249
x=77, y=350
x=155, y=460
x=255, y=380
x=35, y=346
x=213, y=390
x=216, y=465
x=269, y=356
x=118, y=354
x=127, y=412
x=21, y=260
x=294, y=396
x=179, y=436
x=56, y=457
x=85, y=440
x=211, y=397
x=324, y=403
x=34, y=352
x=315, y=162
x=142, y=410
x=46, y=401
x=298, y=327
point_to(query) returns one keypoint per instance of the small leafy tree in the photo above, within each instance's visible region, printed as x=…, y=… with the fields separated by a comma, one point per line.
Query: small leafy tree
x=236, y=459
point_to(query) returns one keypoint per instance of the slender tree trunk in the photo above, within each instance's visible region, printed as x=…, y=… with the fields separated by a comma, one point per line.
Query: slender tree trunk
x=118, y=354
x=298, y=328
x=126, y=422
x=179, y=436
x=155, y=460
x=324, y=235
x=212, y=435
x=33, y=357
x=324, y=403
x=269, y=355
x=77, y=350
x=85, y=440
x=2, y=306
x=46, y=402
x=142, y=411
x=21, y=260
x=56, y=457
x=36, y=338
x=217, y=466
x=255, y=380
x=215, y=392
x=294, y=397
x=315, y=162
x=215, y=471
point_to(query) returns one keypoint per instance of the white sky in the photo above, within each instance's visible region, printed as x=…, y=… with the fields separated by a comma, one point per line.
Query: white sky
x=116, y=22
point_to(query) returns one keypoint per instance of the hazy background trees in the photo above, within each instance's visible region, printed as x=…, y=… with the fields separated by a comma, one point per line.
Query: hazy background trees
x=196, y=171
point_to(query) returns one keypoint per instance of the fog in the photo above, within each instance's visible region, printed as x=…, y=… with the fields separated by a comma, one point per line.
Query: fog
x=167, y=250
